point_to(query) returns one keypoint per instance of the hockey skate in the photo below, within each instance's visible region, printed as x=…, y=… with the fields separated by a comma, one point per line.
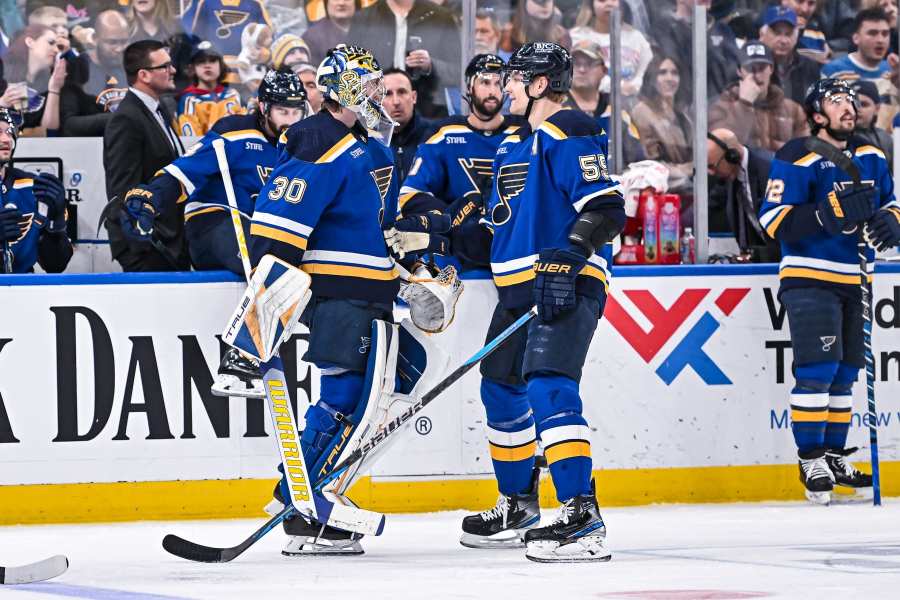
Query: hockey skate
x=817, y=478
x=504, y=525
x=853, y=484
x=314, y=539
x=576, y=534
x=238, y=376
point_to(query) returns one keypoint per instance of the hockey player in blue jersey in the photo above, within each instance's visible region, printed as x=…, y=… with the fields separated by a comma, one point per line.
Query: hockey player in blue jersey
x=193, y=179
x=32, y=211
x=553, y=213
x=323, y=210
x=452, y=170
x=814, y=210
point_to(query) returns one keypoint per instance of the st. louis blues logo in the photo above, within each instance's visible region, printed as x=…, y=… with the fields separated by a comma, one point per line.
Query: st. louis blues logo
x=263, y=173
x=228, y=20
x=383, y=178
x=510, y=183
x=480, y=172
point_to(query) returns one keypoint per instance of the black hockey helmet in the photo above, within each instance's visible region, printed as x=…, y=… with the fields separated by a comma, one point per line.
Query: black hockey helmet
x=282, y=88
x=543, y=58
x=822, y=90
x=484, y=63
x=11, y=120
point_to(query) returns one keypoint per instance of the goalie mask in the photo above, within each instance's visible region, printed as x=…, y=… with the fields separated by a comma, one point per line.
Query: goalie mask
x=352, y=77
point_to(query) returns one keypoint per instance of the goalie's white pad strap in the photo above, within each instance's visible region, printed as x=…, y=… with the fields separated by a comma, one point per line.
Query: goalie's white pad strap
x=316, y=506
x=269, y=309
x=404, y=365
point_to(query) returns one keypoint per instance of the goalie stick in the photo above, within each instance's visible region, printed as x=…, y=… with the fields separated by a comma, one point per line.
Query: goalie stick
x=198, y=552
x=34, y=572
x=846, y=164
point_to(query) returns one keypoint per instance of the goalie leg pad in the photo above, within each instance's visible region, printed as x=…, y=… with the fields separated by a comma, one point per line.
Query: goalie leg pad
x=269, y=309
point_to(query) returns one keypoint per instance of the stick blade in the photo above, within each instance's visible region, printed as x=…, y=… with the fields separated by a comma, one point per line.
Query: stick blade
x=34, y=572
x=188, y=550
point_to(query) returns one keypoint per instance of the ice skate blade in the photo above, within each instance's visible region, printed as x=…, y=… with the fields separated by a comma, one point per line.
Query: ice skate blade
x=586, y=549
x=226, y=386
x=819, y=498
x=296, y=548
x=850, y=495
x=514, y=539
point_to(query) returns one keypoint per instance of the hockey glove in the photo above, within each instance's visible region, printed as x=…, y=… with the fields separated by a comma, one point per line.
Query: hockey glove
x=419, y=234
x=556, y=270
x=51, y=198
x=841, y=211
x=10, y=231
x=883, y=230
x=138, y=213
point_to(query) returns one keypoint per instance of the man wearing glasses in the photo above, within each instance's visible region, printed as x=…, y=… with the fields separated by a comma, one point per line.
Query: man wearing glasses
x=138, y=142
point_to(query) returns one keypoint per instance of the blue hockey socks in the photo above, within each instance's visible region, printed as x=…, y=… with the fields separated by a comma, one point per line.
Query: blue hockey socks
x=511, y=433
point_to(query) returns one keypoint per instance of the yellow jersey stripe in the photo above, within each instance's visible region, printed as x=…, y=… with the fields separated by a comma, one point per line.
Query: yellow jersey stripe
x=338, y=149
x=405, y=198
x=773, y=226
x=553, y=131
x=243, y=133
x=22, y=183
x=807, y=160
x=865, y=150
x=506, y=454
x=528, y=275
x=567, y=450
x=445, y=130
x=819, y=275
x=278, y=235
x=349, y=271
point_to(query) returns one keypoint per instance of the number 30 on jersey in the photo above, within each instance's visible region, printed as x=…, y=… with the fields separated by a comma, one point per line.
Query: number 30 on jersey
x=291, y=190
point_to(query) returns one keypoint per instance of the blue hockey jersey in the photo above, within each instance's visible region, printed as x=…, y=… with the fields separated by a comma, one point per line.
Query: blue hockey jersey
x=34, y=245
x=454, y=161
x=798, y=180
x=251, y=157
x=542, y=181
x=222, y=21
x=323, y=209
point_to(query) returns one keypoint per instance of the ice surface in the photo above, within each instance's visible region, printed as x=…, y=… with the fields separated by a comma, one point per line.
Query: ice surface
x=659, y=552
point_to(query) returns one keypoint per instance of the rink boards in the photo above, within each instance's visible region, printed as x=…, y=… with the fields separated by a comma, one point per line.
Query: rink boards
x=105, y=412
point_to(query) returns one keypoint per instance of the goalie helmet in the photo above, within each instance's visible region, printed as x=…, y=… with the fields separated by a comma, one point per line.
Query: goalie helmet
x=542, y=58
x=352, y=77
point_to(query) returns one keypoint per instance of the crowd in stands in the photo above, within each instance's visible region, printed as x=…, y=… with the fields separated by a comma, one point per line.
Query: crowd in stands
x=62, y=61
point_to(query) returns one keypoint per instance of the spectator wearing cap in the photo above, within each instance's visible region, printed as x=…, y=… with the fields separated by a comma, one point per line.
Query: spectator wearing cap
x=588, y=70
x=754, y=107
x=794, y=72
x=289, y=50
x=663, y=119
x=334, y=29
x=418, y=36
x=871, y=37
x=307, y=74
x=207, y=99
x=400, y=103
x=811, y=42
x=867, y=121
x=593, y=23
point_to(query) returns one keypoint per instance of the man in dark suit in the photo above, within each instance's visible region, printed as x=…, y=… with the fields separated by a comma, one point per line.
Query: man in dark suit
x=139, y=140
x=743, y=174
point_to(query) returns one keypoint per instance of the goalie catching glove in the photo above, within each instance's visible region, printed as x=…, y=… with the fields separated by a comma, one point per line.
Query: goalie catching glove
x=432, y=295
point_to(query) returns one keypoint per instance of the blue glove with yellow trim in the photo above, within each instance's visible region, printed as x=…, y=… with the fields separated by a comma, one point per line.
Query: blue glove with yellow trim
x=882, y=232
x=138, y=212
x=841, y=211
x=556, y=271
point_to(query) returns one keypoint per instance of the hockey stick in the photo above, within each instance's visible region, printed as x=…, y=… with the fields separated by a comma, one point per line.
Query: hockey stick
x=846, y=164
x=34, y=572
x=197, y=552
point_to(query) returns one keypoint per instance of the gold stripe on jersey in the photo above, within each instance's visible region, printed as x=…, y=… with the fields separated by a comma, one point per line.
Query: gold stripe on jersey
x=439, y=135
x=342, y=146
x=348, y=271
x=773, y=226
x=843, y=415
x=809, y=416
x=552, y=130
x=528, y=275
x=806, y=273
x=242, y=134
x=405, y=198
x=807, y=160
x=278, y=235
x=202, y=211
x=866, y=150
x=22, y=183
